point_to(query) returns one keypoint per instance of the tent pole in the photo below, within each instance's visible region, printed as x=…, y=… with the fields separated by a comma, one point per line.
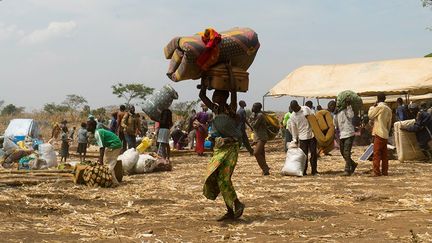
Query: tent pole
x=317, y=101
x=263, y=100
x=304, y=100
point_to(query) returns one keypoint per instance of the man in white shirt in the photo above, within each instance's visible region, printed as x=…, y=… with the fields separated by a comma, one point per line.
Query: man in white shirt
x=343, y=122
x=302, y=133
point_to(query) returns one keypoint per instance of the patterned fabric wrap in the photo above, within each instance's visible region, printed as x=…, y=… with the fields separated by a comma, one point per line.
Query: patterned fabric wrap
x=239, y=45
x=97, y=175
x=219, y=172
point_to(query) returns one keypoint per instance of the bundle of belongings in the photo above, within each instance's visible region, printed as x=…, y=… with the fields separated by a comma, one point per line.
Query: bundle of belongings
x=135, y=163
x=27, y=158
x=93, y=174
x=192, y=56
x=407, y=146
x=323, y=129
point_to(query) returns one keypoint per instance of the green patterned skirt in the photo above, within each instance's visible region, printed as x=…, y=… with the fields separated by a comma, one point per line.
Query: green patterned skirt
x=219, y=172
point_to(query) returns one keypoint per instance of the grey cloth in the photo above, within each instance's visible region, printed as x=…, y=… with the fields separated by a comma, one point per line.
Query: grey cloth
x=82, y=135
x=163, y=135
x=226, y=126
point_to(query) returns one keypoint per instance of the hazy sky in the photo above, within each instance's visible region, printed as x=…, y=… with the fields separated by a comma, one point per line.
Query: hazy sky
x=51, y=48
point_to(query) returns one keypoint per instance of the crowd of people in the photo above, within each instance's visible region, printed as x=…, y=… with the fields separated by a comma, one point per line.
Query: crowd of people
x=225, y=127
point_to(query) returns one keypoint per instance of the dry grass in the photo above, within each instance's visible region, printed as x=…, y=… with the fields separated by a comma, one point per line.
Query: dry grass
x=169, y=206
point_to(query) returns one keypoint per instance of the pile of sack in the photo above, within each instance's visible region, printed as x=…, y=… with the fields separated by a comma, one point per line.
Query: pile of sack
x=27, y=158
x=135, y=163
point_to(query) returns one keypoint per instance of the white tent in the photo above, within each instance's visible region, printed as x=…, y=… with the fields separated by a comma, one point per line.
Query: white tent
x=393, y=77
x=22, y=127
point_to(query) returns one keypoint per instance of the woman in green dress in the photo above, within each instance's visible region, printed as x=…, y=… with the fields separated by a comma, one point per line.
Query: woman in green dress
x=226, y=148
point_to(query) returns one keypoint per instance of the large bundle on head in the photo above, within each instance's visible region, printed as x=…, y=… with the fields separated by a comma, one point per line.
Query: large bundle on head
x=191, y=56
x=356, y=101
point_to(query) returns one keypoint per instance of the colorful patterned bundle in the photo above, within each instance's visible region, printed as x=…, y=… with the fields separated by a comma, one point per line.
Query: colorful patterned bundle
x=238, y=45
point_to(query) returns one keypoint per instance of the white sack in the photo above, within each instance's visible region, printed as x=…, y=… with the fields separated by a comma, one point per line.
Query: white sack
x=146, y=164
x=294, y=162
x=47, y=153
x=129, y=158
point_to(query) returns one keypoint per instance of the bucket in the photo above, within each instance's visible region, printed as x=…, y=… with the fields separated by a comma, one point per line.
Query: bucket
x=159, y=101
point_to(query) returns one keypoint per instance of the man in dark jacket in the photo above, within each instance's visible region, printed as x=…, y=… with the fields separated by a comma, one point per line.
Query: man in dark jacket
x=422, y=127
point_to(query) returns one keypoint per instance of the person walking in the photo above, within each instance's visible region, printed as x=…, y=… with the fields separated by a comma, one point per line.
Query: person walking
x=241, y=116
x=131, y=127
x=201, y=127
x=82, y=142
x=120, y=132
x=381, y=115
x=259, y=126
x=302, y=134
x=343, y=122
x=166, y=123
x=225, y=155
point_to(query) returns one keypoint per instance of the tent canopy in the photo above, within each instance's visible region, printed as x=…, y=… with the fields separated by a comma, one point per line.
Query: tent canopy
x=22, y=127
x=393, y=77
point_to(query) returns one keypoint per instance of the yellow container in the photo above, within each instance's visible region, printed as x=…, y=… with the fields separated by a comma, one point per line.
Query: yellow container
x=144, y=145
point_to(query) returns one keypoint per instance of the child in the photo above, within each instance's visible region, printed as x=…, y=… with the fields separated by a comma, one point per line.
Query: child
x=163, y=134
x=82, y=141
x=64, y=150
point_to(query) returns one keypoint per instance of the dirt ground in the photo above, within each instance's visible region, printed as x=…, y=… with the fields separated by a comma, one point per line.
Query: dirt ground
x=169, y=206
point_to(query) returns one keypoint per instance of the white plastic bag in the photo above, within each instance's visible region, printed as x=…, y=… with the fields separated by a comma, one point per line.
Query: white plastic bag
x=146, y=164
x=47, y=153
x=9, y=146
x=129, y=158
x=294, y=162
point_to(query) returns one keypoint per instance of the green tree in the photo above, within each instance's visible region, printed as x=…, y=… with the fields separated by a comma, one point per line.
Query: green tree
x=183, y=109
x=74, y=102
x=131, y=91
x=99, y=112
x=11, y=109
x=53, y=108
x=427, y=3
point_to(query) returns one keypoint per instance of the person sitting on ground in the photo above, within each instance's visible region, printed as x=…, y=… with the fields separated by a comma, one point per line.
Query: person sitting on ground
x=259, y=125
x=226, y=149
x=343, y=122
x=112, y=148
x=82, y=142
x=381, y=115
x=165, y=125
x=422, y=128
x=303, y=135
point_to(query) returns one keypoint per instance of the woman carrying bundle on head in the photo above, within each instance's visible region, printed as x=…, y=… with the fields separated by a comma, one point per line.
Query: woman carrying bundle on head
x=221, y=166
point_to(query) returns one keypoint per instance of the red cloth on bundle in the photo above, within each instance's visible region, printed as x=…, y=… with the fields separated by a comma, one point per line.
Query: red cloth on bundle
x=211, y=39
